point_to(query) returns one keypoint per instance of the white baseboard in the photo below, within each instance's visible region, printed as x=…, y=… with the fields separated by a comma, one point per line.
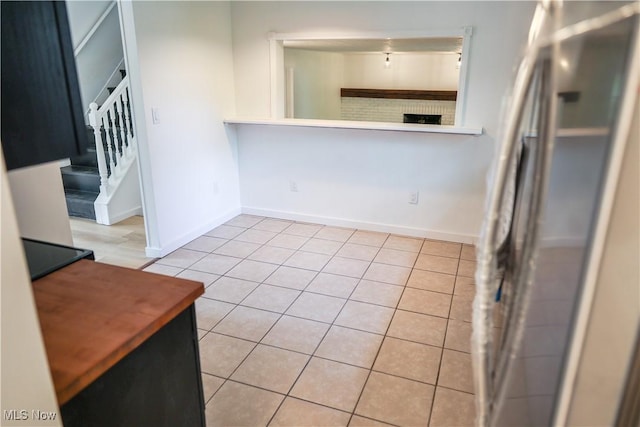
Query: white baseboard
x=159, y=252
x=116, y=218
x=152, y=252
x=363, y=225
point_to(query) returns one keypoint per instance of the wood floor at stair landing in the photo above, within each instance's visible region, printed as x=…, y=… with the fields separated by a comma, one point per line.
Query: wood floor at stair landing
x=119, y=244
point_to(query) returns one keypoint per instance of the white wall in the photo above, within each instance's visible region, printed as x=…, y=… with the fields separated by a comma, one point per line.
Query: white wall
x=82, y=16
x=188, y=160
x=318, y=77
x=492, y=58
x=366, y=176
x=363, y=178
x=38, y=196
x=419, y=71
x=101, y=55
x=25, y=380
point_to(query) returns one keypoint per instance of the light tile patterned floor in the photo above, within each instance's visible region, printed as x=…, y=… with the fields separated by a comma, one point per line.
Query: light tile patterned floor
x=311, y=325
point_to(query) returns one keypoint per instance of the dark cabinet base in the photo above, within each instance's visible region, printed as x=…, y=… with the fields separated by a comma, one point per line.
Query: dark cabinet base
x=158, y=384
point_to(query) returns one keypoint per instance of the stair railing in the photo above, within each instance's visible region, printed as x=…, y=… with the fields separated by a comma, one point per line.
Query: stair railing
x=113, y=131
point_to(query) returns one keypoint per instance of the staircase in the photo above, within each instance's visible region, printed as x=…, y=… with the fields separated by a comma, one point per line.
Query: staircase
x=102, y=184
x=81, y=182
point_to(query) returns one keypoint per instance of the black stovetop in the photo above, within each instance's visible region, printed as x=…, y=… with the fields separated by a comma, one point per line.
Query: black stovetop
x=44, y=258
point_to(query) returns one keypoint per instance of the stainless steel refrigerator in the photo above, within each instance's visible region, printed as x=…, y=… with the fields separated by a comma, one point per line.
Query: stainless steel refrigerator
x=565, y=135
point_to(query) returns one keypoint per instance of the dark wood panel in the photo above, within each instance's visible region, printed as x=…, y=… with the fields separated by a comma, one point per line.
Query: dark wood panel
x=92, y=315
x=42, y=118
x=428, y=95
x=156, y=385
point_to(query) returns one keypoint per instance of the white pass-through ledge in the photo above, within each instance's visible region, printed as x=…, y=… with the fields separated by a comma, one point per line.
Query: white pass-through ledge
x=346, y=124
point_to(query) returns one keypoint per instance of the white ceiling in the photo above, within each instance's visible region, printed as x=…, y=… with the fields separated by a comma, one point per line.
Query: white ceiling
x=432, y=44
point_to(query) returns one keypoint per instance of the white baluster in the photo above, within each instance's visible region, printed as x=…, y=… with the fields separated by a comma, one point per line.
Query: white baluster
x=102, y=162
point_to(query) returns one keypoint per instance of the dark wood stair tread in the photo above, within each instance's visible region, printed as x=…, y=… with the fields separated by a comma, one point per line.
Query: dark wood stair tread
x=77, y=169
x=80, y=203
x=81, y=194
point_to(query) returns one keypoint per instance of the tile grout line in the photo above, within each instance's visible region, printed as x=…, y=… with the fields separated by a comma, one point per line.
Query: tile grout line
x=330, y=325
x=333, y=296
x=310, y=356
x=333, y=323
x=446, y=330
x=330, y=360
x=211, y=331
x=313, y=354
x=382, y=343
x=224, y=380
x=262, y=337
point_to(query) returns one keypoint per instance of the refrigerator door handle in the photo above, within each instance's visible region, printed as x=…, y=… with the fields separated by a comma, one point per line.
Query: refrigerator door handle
x=524, y=272
x=487, y=272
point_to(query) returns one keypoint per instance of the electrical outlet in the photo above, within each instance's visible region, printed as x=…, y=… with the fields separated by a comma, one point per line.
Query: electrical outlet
x=216, y=188
x=293, y=186
x=413, y=197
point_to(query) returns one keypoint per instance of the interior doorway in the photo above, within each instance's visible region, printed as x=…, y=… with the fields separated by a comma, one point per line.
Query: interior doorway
x=104, y=216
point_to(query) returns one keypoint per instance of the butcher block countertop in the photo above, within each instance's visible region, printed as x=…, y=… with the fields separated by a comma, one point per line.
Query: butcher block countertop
x=92, y=315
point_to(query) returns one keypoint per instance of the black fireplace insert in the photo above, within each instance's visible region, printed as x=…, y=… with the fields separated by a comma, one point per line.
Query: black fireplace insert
x=424, y=119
